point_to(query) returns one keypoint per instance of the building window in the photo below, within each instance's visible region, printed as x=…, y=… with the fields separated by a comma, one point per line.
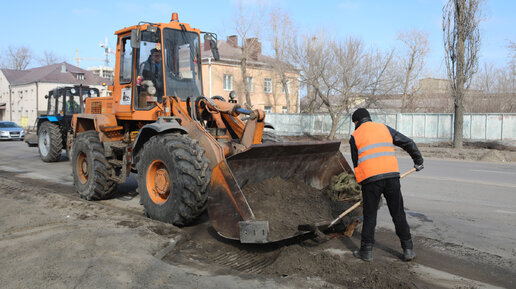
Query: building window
x=267, y=85
x=284, y=109
x=250, y=86
x=283, y=87
x=267, y=109
x=80, y=76
x=228, y=82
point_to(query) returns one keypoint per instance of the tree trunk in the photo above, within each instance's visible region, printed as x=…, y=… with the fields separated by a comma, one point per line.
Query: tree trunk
x=287, y=93
x=459, y=89
x=333, y=130
x=243, y=68
x=458, y=123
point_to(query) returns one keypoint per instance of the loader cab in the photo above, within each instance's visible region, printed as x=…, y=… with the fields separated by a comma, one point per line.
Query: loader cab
x=66, y=101
x=167, y=63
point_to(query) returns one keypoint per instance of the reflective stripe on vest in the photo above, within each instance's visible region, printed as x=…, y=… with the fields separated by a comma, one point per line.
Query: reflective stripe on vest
x=375, y=151
x=373, y=146
x=375, y=155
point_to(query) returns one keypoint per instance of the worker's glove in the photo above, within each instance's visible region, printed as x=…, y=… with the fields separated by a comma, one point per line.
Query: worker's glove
x=419, y=167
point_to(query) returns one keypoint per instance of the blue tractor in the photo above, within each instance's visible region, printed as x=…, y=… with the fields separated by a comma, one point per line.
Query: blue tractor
x=53, y=127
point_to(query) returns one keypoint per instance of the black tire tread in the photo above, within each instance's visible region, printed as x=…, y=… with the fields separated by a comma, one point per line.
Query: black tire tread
x=99, y=186
x=56, y=142
x=194, y=176
x=271, y=137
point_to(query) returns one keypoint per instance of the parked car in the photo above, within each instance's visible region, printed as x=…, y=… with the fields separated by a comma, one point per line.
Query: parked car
x=10, y=130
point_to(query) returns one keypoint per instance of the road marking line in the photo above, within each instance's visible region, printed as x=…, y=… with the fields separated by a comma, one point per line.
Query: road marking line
x=505, y=212
x=448, y=280
x=496, y=172
x=465, y=181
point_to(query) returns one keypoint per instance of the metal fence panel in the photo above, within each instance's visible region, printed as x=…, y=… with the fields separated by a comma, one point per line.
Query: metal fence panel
x=423, y=127
x=478, y=127
x=509, y=127
x=445, y=127
x=494, y=127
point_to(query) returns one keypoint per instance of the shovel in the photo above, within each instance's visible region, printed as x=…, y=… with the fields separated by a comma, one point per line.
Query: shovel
x=325, y=227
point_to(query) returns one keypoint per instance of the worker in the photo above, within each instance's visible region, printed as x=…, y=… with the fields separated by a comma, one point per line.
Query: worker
x=376, y=170
x=72, y=106
x=152, y=70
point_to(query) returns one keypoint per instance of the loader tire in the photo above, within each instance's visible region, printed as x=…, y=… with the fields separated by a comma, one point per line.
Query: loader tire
x=91, y=170
x=50, y=142
x=173, y=179
x=271, y=137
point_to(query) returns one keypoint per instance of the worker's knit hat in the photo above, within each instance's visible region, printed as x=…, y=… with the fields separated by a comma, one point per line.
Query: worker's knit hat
x=360, y=114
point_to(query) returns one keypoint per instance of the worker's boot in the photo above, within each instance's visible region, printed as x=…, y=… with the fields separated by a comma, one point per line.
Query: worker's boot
x=365, y=253
x=408, y=250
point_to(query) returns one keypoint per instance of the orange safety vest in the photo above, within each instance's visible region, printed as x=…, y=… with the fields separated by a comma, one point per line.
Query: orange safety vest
x=375, y=151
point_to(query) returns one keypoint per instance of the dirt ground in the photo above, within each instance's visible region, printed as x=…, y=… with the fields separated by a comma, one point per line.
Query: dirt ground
x=50, y=238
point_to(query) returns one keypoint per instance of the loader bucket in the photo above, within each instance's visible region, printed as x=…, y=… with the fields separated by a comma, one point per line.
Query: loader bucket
x=231, y=216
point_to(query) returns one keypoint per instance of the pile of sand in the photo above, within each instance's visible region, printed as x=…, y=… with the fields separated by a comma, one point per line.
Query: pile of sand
x=289, y=203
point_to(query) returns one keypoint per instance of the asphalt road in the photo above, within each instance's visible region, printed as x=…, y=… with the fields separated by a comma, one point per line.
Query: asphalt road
x=472, y=204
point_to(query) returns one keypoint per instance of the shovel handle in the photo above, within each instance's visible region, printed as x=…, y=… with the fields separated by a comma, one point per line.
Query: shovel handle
x=359, y=202
x=407, y=173
x=345, y=213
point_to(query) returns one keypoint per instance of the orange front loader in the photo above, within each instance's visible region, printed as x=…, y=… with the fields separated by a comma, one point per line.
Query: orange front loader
x=189, y=152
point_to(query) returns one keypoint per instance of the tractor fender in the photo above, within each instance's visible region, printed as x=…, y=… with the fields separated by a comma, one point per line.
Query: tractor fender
x=85, y=122
x=155, y=128
x=50, y=118
x=268, y=125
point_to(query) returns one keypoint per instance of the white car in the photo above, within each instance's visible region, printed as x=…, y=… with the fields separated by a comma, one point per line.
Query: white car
x=10, y=130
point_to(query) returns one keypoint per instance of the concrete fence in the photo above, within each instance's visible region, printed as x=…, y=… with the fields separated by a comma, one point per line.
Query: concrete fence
x=422, y=127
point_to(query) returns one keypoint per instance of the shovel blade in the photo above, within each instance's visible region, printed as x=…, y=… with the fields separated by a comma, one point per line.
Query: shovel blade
x=314, y=163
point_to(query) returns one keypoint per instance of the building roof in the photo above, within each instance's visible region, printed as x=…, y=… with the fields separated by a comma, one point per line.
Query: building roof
x=54, y=73
x=229, y=52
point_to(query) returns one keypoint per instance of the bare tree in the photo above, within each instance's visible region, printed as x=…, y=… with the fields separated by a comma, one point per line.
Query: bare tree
x=461, y=44
x=412, y=62
x=247, y=25
x=16, y=57
x=495, y=87
x=281, y=37
x=512, y=67
x=308, y=54
x=485, y=78
x=49, y=58
x=341, y=74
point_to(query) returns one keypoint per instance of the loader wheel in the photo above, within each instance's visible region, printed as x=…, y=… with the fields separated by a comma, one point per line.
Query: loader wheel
x=50, y=142
x=173, y=178
x=271, y=137
x=91, y=170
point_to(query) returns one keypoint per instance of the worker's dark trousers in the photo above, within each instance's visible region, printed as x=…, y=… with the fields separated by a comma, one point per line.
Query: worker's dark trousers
x=371, y=194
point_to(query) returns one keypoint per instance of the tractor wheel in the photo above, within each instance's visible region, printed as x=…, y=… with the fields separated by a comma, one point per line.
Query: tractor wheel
x=271, y=137
x=50, y=142
x=91, y=170
x=173, y=178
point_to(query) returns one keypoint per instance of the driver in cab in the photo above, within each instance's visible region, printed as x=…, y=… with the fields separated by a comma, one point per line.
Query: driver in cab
x=152, y=70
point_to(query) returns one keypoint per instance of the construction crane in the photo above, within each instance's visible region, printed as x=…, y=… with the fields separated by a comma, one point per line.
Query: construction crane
x=107, y=50
x=79, y=59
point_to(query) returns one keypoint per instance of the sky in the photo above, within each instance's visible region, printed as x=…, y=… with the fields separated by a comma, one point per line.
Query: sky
x=62, y=27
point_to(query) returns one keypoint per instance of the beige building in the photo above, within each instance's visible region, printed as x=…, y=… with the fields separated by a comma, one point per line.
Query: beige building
x=434, y=85
x=103, y=71
x=22, y=92
x=266, y=90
